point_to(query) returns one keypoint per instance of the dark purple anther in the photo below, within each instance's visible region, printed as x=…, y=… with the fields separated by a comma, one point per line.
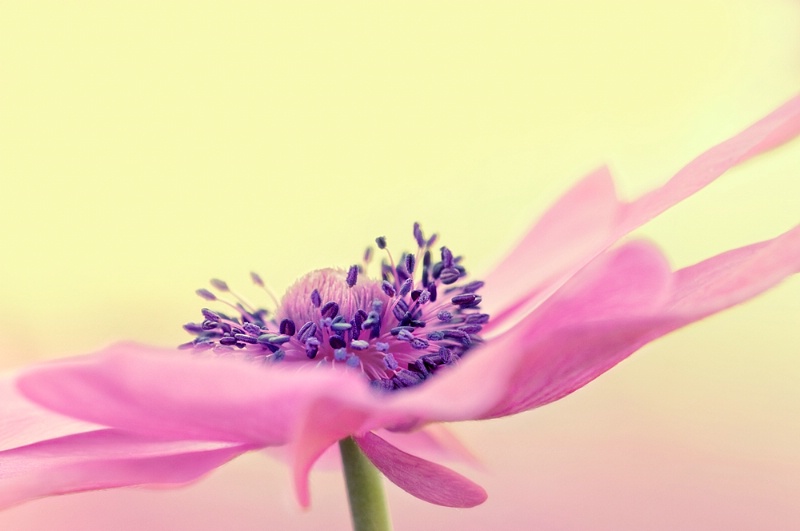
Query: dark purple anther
x=436, y=336
x=406, y=378
x=397, y=329
x=426, y=259
x=244, y=338
x=367, y=255
x=446, y=354
x=381, y=242
x=447, y=257
x=193, y=328
x=431, y=240
x=432, y=291
x=436, y=270
x=415, y=294
x=256, y=278
x=470, y=328
x=388, y=359
x=473, y=286
x=227, y=341
x=406, y=287
x=425, y=296
x=330, y=310
x=467, y=300
x=352, y=275
x=398, y=312
x=312, y=347
x=306, y=331
x=219, y=284
x=449, y=275
x=478, y=318
x=410, y=261
x=445, y=316
x=419, y=343
x=336, y=342
x=287, y=327
x=207, y=295
x=251, y=328
x=418, y=235
x=316, y=299
x=210, y=315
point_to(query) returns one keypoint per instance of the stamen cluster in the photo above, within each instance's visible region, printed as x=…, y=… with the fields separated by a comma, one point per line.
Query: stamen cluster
x=397, y=331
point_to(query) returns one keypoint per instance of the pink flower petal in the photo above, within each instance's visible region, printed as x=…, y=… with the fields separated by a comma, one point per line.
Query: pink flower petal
x=423, y=479
x=510, y=370
x=574, y=338
x=26, y=423
x=169, y=393
x=778, y=127
x=589, y=218
x=104, y=459
x=572, y=229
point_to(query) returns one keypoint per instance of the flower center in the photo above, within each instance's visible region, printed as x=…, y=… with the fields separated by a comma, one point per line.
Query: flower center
x=398, y=330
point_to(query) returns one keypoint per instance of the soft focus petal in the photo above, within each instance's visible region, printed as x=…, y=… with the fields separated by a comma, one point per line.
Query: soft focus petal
x=169, y=393
x=434, y=442
x=778, y=127
x=423, y=479
x=104, y=459
x=561, y=347
x=564, y=236
x=26, y=423
x=594, y=219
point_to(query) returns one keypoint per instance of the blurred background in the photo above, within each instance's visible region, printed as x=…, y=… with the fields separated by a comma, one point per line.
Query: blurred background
x=146, y=147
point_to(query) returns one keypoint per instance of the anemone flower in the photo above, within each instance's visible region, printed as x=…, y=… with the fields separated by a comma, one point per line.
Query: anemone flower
x=374, y=362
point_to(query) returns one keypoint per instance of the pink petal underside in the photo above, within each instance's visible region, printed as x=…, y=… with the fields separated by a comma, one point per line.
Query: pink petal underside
x=173, y=394
x=590, y=218
x=423, y=479
x=24, y=422
x=104, y=459
x=539, y=363
x=434, y=442
x=631, y=280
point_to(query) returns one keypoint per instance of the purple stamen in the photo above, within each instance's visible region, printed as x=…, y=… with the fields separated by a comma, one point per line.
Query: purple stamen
x=410, y=260
x=316, y=299
x=207, y=295
x=330, y=310
x=388, y=289
x=447, y=257
x=380, y=241
x=256, y=279
x=449, y=275
x=406, y=287
x=210, y=315
x=336, y=342
x=287, y=327
x=219, y=284
x=418, y=235
x=352, y=276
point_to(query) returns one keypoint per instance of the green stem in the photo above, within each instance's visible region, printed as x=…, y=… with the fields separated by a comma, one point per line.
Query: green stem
x=364, y=489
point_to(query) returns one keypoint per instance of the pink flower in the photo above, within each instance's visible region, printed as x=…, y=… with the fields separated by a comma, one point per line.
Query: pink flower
x=383, y=361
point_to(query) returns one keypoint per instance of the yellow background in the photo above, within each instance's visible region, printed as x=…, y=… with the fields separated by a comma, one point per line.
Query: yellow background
x=148, y=146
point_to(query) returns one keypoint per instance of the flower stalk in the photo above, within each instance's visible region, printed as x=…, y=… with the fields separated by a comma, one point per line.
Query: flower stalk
x=368, y=509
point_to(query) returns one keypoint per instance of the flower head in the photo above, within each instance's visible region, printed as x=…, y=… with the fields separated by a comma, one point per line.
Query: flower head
x=383, y=358
x=397, y=329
